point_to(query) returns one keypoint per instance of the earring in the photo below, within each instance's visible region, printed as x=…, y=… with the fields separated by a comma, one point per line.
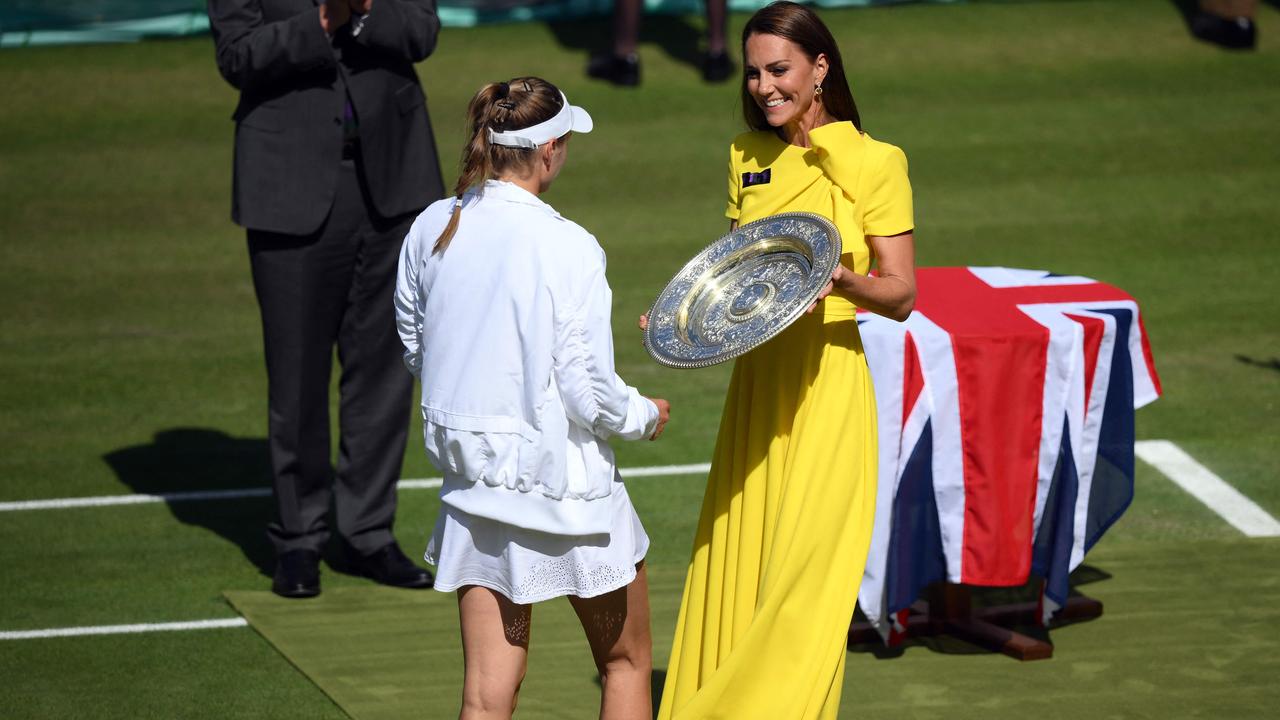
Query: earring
x=817, y=89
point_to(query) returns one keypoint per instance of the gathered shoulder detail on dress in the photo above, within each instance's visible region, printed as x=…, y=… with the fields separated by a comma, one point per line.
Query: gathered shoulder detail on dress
x=840, y=148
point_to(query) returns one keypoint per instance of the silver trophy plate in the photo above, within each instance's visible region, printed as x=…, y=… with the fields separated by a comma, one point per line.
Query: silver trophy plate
x=742, y=290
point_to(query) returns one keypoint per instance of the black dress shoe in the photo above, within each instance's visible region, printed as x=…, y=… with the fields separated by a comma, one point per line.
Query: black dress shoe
x=389, y=566
x=621, y=70
x=297, y=574
x=1233, y=33
x=716, y=67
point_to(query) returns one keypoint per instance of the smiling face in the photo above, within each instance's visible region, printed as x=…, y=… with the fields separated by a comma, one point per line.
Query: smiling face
x=781, y=78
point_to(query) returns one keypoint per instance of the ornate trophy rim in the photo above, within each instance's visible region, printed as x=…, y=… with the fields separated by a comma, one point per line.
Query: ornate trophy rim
x=823, y=264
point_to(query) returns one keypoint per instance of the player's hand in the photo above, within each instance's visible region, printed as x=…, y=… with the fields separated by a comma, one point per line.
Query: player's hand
x=664, y=414
x=644, y=322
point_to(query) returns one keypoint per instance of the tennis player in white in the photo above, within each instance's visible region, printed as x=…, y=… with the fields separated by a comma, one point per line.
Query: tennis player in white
x=504, y=309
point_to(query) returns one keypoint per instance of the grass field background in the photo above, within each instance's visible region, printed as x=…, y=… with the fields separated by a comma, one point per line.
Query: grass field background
x=1093, y=138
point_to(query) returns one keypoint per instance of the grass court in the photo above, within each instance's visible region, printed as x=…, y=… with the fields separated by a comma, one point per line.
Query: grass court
x=1084, y=137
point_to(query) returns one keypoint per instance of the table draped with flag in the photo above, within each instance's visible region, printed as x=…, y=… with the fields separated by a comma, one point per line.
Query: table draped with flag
x=1006, y=405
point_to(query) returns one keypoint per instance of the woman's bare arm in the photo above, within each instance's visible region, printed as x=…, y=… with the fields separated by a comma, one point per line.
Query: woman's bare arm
x=892, y=291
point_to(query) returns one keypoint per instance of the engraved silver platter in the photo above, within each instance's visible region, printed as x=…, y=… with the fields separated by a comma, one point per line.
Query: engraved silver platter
x=742, y=290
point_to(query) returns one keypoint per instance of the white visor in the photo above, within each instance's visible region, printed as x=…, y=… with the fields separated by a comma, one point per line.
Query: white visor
x=570, y=119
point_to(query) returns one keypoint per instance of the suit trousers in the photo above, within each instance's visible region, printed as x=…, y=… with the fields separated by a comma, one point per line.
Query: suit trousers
x=334, y=287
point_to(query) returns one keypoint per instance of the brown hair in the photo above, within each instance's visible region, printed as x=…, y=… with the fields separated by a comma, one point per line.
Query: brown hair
x=513, y=105
x=802, y=26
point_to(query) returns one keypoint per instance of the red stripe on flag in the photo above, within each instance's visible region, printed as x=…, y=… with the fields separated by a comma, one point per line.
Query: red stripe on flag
x=912, y=377
x=1000, y=362
x=995, y=345
x=1094, y=329
x=1001, y=439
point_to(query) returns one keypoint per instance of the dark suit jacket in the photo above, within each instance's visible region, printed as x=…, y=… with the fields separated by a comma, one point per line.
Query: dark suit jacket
x=293, y=85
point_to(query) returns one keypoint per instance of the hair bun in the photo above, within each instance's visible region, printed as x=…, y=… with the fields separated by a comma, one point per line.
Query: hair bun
x=503, y=90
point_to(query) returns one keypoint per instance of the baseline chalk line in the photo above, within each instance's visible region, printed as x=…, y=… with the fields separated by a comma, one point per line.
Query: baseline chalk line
x=1242, y=513
x=123, y=629
x=234, y=494
x=138, y=499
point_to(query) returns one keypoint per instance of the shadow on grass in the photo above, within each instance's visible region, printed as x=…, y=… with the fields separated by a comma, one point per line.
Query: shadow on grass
x=678, y=36
x=985, y=598
x=184, y=460
x=657, y=680
x=1187, y=9
x=1269, y=364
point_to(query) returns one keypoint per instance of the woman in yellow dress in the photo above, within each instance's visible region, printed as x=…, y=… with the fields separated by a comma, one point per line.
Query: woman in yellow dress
x=787, y=516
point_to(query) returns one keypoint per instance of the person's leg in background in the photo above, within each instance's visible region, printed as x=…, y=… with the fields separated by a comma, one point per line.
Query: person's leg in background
x=334, y=287
x=375, y=393
x=716, y=65
x=622, y=65
x=1229, y=23
x=302, y=284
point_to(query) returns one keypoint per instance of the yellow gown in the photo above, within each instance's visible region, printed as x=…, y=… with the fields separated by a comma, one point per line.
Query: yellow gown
x=786, y=519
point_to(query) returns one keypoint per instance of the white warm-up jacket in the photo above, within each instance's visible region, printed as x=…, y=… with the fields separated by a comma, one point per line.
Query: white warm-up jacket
x=508, y=331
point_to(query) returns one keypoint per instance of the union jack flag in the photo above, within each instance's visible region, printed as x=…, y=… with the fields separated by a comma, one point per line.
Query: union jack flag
x=1006, y=406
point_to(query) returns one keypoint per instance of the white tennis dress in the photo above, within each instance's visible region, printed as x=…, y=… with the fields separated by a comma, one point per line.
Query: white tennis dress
x=508, y=330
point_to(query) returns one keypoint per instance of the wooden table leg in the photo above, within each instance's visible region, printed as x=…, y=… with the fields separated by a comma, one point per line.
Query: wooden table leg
x=949, y=610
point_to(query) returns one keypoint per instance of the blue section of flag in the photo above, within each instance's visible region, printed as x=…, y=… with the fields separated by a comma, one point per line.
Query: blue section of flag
x=1051, y=553
x=1112, y=488
x=915, y=547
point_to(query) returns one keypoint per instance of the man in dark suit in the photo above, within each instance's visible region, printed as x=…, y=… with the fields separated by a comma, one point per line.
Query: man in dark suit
x=334, y=157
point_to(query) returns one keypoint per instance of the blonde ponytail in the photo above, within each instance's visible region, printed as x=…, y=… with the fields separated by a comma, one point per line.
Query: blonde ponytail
x=513, y=105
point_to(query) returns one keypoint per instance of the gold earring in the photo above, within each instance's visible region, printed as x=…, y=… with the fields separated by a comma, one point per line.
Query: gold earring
x=817, y=89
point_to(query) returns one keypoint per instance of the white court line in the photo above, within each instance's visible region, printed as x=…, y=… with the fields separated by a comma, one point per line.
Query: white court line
x=695, y=469
x=1243, y=514
x=1168, y=458
x=410, y=484
x=123, y=629
x=107, y=500
x=419, y=484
